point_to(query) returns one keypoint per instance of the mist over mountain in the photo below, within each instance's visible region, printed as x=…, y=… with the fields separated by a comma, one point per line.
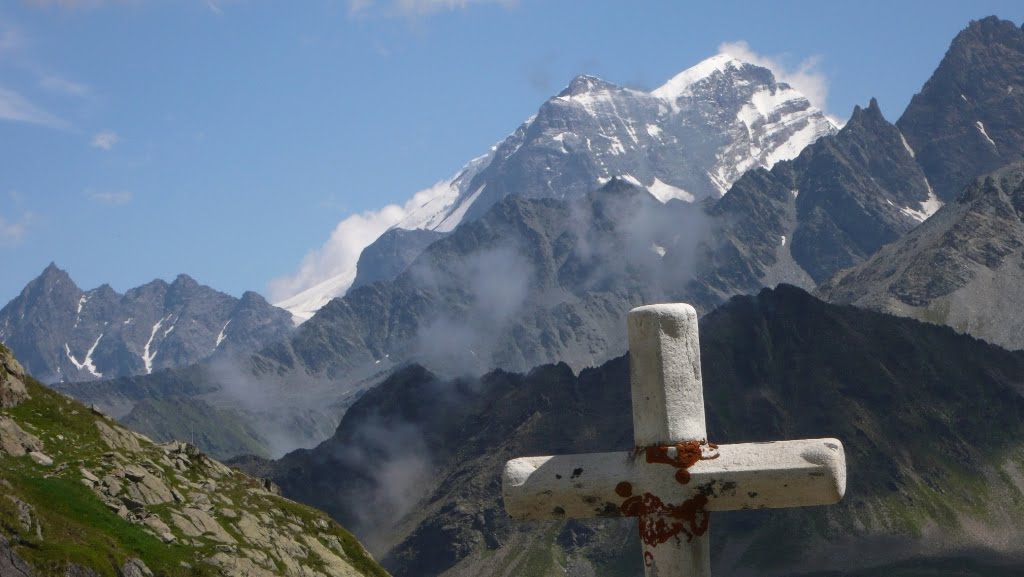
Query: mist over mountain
x=931, y=421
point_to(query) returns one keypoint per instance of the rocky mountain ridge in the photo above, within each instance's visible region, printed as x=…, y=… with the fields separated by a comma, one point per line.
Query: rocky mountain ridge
x=81, y=495
x=65, y=334
x=967, y=120
x=963, y=268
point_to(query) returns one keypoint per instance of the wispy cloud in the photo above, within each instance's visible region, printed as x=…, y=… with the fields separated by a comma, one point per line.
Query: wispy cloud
x=77, y=3
x=16, y=108
x=806, y=77
x=110, y=197
x=55, y=83
x=12, y=233
x=334, y=263
x=214, y=7
x=105, y=140
x=414, y=8
x=339, y=255
x=11, y=38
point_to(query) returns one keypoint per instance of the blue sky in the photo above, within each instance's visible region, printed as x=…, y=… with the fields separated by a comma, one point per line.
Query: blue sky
x=226, y=139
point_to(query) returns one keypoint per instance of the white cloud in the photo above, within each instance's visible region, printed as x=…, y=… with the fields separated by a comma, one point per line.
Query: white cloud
x=71, y=4
x=806, y=77
x=412, y=8
x=110, y=197
x=105, y=140
x=64, y=86
x=338, y=256
x=336, y=260
x=17, y=108
x=12, y=233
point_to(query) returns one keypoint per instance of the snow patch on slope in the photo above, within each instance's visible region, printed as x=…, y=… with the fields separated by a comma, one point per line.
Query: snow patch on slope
x=221, y=336
x=981, y=129
x=927, y=207
x=147, y=356
x=666, y=192
x=87, y=363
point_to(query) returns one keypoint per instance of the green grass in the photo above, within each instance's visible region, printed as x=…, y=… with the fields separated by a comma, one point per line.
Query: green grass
x=78, y=528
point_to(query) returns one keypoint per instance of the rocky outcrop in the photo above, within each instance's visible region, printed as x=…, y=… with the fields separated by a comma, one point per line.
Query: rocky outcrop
x=12, y=375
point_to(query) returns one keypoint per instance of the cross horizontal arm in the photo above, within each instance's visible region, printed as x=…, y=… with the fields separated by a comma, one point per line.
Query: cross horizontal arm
x=743, y=476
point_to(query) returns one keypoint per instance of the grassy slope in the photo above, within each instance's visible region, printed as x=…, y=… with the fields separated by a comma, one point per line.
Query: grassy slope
x=79, y=529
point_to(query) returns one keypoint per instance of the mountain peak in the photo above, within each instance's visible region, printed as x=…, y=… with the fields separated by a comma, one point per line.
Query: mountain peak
x=183, y=280
x=681, y=83
x=870, y=115
x=990, y=31
x=585, y=83
x=965, y=120
x=53, y=275
x=52, y=270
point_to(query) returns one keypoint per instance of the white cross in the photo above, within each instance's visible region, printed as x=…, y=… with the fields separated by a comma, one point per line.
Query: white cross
x=674, y=478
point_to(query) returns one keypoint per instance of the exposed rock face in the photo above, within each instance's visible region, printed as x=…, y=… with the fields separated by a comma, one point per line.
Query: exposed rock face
x=107, y=498
x=963, y=268
x=14, y=440
x=969, y=117
x=63, y=333
x=932, y=421
x=839, y=201
x=12, y=376
x=391, y=254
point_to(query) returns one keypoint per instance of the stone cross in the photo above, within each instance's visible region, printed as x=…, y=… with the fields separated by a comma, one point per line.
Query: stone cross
x=674, y=477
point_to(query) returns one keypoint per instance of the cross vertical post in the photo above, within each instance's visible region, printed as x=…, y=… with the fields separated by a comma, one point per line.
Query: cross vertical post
x=668, y=410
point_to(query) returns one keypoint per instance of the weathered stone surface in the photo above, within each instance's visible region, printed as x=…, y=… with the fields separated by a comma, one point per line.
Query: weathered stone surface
x=195, y=523
x=117, y=438
x=11, y=564
x=14, y=440
x=233, y=566
x=159, y=528
x=41, y=458
x=134, y=568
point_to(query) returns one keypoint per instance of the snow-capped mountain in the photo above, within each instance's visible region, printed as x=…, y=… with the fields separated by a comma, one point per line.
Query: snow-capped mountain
x=64, y=334
x=689, y=139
